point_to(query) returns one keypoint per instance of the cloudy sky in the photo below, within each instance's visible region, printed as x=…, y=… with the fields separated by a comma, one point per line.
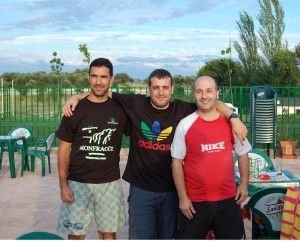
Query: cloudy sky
x=138, y=36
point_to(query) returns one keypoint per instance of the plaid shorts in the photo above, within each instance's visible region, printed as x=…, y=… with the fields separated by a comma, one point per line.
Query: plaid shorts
x=105, y=202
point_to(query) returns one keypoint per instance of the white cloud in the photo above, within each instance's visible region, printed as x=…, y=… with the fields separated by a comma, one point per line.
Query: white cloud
x=138, y=35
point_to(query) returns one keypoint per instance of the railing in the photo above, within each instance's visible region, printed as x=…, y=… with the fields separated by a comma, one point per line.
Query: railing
x=41, y=107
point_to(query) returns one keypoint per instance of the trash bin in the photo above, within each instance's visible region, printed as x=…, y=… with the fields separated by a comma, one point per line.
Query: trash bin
x=263, y=116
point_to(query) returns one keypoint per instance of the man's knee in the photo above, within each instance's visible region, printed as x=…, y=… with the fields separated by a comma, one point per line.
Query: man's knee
x=104, y=235
x=76, y=237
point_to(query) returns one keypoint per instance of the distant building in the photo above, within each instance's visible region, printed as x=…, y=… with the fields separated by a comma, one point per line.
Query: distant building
x=292, y=104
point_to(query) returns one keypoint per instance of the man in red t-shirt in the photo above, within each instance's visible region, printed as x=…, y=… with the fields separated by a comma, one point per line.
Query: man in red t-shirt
x=203, y=170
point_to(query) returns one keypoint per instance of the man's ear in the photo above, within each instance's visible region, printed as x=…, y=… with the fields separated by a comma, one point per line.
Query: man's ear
x=218, y=93
x=112, y=80
x=88, y=77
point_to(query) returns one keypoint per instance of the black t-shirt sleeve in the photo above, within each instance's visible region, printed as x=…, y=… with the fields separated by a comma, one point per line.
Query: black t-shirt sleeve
x=65, y=132
x=186, y=107
x=127, y=101
x=193, y=106
x=126, y=127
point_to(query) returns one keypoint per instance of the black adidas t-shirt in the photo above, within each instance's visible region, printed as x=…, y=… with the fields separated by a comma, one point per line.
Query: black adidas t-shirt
x=152, y=132
x=95, y=131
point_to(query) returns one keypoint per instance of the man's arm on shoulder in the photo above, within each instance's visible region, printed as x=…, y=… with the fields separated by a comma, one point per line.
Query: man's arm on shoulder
x=238, y=128
x=71, y=103
x=223, y=109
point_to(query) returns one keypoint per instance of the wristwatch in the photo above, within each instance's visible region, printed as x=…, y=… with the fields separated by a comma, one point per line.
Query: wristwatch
x=233, y=115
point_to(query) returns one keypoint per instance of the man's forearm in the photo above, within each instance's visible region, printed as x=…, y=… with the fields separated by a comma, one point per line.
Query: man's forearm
x=223, y=109
x=244, y=168
x=80, y=96
x=63, y=169
x=63, y=162
x=178, y=176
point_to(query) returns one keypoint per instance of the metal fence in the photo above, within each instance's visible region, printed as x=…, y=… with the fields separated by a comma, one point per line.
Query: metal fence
x=41, y=107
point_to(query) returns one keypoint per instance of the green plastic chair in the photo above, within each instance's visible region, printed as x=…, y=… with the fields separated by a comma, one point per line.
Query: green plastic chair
x=39, y=236
x=41, y=150
x=266, y=208
x=17, y=131
x=266, y=161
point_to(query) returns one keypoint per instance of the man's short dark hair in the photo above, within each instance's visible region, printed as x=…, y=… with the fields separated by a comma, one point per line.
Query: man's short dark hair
x=160, y=73
x=102, y=62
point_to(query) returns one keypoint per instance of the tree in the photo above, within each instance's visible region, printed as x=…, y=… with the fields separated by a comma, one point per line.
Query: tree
x=218, y=69
x=183, y=80
x=297, y=52
x=255, y=68
x=261, y=68
x=78, y=77
x=271, y=19
x=227, y=61
x=85, y=51
x=56, y=67
x=122, y=79
x=285, y=65
x=56, y=64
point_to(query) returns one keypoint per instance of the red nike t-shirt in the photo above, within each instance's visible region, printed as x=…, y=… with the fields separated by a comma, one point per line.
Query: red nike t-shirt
x=206, y=148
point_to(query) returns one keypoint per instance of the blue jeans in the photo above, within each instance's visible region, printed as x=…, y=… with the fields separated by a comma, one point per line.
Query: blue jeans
x=152, y=215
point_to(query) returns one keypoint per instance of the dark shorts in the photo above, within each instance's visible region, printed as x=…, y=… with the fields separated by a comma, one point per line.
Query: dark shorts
x=223, y=217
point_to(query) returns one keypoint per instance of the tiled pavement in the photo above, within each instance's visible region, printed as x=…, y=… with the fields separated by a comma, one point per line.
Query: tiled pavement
x=32, y=202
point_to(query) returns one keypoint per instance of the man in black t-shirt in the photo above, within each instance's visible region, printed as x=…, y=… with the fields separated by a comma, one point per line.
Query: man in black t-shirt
x=153, y=201
x=88, y=160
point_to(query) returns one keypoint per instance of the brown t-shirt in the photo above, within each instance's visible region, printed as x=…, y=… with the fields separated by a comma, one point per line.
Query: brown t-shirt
x=95, y=131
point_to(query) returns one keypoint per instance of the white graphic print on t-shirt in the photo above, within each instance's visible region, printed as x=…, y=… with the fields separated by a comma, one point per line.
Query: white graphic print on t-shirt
x=100, y=140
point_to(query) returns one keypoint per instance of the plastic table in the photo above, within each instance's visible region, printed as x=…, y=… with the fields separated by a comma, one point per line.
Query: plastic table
x=10, y=142
x=287, y=179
